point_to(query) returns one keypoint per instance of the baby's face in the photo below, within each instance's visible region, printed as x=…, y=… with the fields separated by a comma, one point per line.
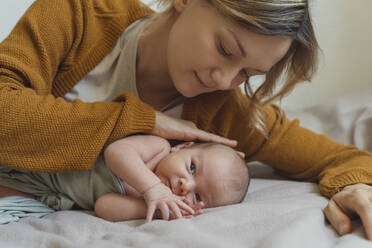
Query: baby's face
x=198, y=174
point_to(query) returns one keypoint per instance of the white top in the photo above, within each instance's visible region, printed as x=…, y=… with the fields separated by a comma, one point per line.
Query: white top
x=116, y=73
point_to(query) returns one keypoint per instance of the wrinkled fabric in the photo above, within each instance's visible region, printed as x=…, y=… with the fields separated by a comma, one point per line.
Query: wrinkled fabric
x=12, y=208
x=62, y=191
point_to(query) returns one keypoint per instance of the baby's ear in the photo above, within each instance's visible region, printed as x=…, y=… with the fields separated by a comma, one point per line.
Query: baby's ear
x=181, y=146
x=241, y=154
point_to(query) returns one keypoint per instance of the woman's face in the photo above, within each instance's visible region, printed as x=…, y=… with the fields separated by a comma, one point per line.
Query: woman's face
x=208, y=52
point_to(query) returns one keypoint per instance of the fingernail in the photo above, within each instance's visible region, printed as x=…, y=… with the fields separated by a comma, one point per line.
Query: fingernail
x=342, y=229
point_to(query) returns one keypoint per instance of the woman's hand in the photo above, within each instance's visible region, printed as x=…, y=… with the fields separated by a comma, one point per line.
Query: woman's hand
x=173, y=128
x=161, y=197
x=353, y=200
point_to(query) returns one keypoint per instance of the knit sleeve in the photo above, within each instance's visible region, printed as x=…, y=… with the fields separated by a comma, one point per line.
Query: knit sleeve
x=41, y=132
x=292, y=150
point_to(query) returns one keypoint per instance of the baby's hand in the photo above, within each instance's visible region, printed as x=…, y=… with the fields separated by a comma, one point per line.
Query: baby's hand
x=161, y=197
x=197, y=208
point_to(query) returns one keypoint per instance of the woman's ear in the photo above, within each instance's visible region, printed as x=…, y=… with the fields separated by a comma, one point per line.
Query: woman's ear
x=181, y=146
x=241, y=154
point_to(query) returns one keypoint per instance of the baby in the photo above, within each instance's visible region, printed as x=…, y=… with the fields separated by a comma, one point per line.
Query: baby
x=141, y=176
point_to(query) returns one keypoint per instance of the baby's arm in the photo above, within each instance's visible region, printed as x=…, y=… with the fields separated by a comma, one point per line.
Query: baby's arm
x=117, y=207
x=133, y=159
x=129, y=159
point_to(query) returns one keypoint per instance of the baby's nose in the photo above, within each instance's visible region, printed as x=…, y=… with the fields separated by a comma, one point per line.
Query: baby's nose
x=184, y=186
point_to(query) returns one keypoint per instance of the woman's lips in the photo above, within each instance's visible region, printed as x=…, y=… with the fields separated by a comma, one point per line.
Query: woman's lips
x=200, y=81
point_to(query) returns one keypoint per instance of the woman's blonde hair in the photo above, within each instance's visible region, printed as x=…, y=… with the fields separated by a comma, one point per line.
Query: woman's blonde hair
x=286, y=18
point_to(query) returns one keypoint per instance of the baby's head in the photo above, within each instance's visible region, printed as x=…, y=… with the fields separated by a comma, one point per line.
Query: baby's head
x=212, y=173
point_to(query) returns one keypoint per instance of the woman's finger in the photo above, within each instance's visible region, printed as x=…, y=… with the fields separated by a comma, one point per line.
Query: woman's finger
x=174, y=128
x=364, y=209
x=340, y=221
x=195, y=133
x=209, y=137
x=352, y=200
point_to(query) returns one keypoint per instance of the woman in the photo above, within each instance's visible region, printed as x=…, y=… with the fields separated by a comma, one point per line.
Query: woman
x=187, y=62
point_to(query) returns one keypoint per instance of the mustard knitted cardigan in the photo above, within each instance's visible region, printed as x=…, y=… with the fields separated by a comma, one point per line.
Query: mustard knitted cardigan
x=57, y=42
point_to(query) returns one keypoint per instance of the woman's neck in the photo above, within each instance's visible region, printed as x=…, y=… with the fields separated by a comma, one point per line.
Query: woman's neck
x=154, y=83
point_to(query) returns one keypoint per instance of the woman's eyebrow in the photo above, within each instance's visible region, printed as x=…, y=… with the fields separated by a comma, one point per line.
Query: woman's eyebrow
x=242, y=51
x=241, y=48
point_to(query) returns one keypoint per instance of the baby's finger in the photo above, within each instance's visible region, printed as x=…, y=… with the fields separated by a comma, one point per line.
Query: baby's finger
x=198, y=212
x=175, y=210
x=150, y=212
x=184, y=213
x=188, y=215
x=185, y=207
x=199, y=205
x=164, y=211
x=187, y=201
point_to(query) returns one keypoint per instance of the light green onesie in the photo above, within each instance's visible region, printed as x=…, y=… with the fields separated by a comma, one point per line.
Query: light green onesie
x=60, y=191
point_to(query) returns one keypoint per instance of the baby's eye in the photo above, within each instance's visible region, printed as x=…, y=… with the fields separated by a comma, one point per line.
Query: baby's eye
x=197, y=197
x=192, y=168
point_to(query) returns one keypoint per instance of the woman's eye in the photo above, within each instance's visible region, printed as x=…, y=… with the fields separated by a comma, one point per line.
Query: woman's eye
x=197, y=197
x=192, y=168
x=224, y=52
x=245, y=74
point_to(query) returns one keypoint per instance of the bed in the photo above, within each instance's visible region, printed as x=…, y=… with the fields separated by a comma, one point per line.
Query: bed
x=276, y=212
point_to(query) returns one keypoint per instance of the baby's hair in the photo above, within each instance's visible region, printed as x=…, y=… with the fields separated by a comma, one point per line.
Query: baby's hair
x=237, y=182
x=240, y=179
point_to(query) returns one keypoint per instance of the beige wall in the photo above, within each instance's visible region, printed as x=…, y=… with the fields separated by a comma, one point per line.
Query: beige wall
x=344, y=29
x=10, y=12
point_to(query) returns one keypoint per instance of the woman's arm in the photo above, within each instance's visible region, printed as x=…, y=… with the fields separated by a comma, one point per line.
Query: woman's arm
x=134, y=158
x=48, y=51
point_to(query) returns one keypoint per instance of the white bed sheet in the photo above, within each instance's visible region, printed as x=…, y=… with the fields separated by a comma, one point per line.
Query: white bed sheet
x=275, y=213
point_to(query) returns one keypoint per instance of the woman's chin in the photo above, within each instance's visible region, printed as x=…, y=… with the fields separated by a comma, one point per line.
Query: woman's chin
x=189, y=93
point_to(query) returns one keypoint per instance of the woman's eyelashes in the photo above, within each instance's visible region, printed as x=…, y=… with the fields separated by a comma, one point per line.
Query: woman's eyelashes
x=226, y=53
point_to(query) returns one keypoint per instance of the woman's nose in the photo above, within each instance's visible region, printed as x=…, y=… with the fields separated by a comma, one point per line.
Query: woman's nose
x=185, y=186
x=223, y=77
